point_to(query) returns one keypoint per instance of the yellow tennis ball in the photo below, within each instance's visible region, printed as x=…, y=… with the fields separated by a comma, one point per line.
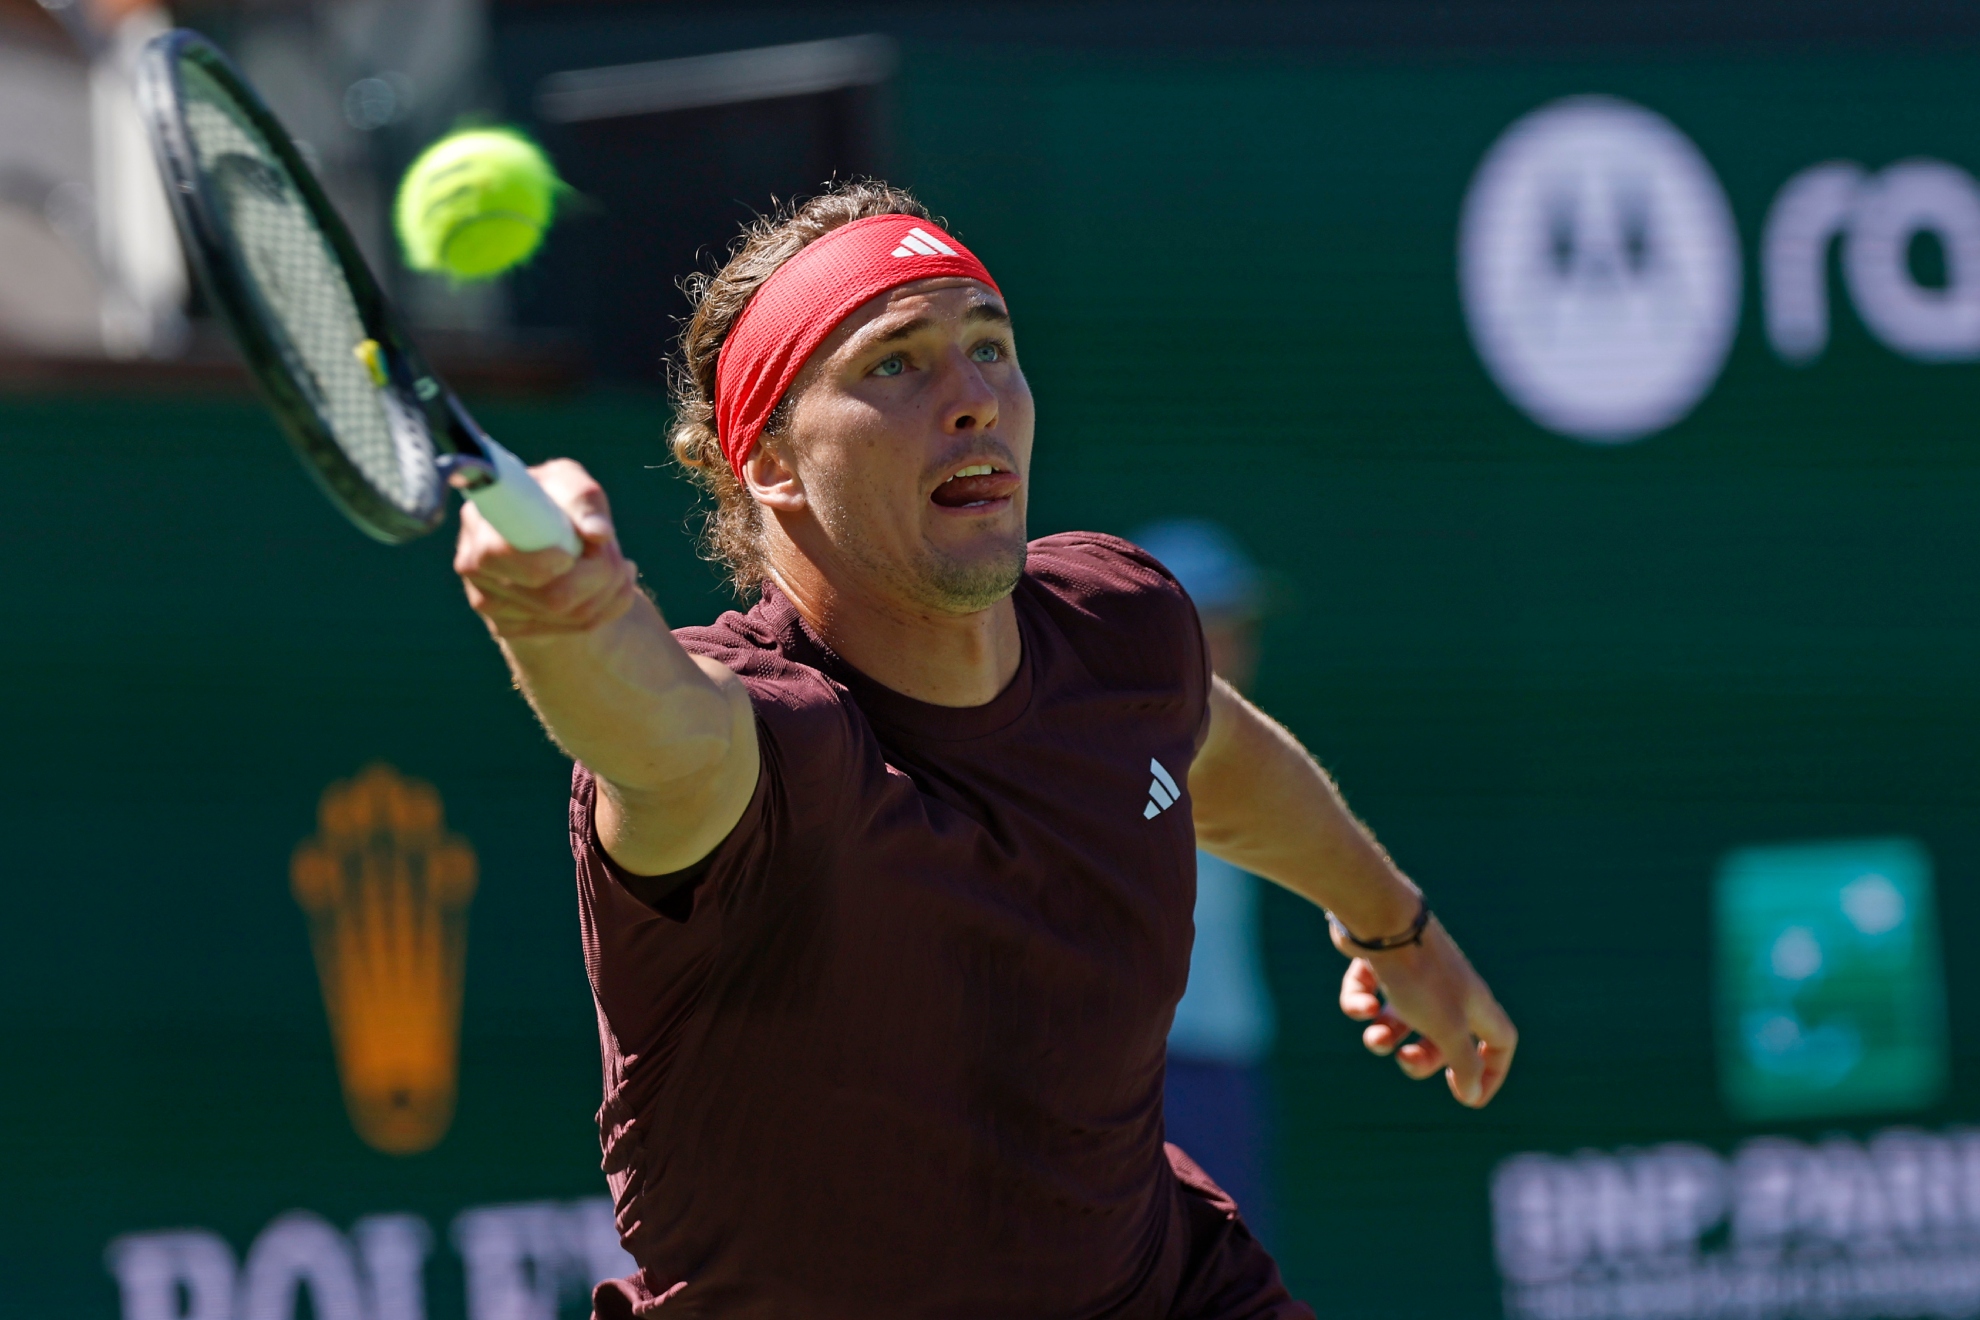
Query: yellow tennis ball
x=476, y=203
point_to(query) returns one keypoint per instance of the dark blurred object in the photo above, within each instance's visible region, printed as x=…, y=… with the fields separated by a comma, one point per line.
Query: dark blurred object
x=670, y=158
x=26, y=21
x=1313, y=25
x=479, y=366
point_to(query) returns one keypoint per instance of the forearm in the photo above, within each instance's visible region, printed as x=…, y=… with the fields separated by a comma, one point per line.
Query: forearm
x=1264, y=804
x=670, y=737
x=629, y=702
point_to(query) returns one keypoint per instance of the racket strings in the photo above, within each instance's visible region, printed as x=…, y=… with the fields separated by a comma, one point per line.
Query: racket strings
x=302, y=285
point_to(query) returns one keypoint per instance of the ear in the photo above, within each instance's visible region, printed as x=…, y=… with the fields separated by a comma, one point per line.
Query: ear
x=772, y=481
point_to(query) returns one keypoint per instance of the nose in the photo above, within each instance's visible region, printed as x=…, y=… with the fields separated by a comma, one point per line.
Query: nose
x=971, y=404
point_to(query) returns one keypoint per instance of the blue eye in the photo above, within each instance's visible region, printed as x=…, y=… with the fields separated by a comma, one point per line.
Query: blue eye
x=987, y=353
x=890, y=366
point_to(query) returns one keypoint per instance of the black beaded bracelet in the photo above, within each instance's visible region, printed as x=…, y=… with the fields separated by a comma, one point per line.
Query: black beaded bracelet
x=1413, y=936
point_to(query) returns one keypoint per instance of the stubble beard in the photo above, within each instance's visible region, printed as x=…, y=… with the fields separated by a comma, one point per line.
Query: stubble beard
x=946, y=583
x=965, y=586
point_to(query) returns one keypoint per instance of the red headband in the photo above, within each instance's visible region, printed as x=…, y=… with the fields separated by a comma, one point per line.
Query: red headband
x=805, y=300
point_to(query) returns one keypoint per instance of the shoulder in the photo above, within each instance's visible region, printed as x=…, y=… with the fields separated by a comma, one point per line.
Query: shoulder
x=756, y=649
x=1108, y=579
x=808, y=719
x=1123, y=611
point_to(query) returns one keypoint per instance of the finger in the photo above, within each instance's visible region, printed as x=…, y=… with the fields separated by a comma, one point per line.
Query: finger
x=561, y=592
x=526, y=568
x=1498, y=1038
x=1385, y=1033
x=1491, y=1025
x=1464, y=1069
x=481, y=551
x=576, y=602
x=1420, y=1059
x=517, y=617
x=1495, y=1061
x=598, y=584
x=1361, y=991
x=476, y=542
x=1494, y=1065
x=579, y=495
x=589, y=579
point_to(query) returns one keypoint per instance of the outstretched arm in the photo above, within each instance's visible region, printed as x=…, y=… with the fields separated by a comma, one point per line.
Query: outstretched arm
x=1264, y=804
x=670, y=736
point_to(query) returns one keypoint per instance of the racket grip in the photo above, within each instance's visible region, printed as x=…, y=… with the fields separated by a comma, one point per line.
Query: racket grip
x=518, y=508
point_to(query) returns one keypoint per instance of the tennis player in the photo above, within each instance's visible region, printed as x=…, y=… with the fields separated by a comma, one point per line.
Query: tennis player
x=885, y=884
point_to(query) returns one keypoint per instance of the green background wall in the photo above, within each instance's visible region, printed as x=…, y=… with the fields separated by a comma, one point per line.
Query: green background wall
x=1560, y=680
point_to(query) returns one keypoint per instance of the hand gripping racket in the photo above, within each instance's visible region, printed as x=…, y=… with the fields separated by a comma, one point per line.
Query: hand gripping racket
x=371, y=421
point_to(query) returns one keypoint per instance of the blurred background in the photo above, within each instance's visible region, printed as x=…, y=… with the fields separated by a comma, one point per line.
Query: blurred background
x=1565, y=412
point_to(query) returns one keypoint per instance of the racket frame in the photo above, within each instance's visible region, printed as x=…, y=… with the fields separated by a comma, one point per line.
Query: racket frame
x=464, y=454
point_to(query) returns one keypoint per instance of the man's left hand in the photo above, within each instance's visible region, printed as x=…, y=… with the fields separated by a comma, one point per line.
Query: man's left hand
x=1429, y=990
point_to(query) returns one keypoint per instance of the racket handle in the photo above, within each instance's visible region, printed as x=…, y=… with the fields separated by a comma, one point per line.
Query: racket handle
x=518, y=508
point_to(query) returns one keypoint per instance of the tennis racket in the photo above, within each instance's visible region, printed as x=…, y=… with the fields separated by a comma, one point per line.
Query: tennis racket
x=373, y=423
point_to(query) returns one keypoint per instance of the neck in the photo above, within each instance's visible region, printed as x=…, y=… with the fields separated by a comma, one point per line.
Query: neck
x=942, y=659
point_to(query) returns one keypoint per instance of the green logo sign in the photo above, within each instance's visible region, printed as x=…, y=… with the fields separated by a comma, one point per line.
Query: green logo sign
x=1830, y=999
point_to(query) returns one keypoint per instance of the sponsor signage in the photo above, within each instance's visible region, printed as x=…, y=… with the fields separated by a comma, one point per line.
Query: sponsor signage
x=1830, y=1002
x=1600, y=269
x=521, y=1261
x=1599, y=266
x=1928, y=315
x=1830, y=997
x=386, y=887
x=1778, y=1229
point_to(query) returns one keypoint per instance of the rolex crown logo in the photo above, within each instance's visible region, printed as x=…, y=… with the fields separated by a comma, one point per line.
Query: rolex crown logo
x=387, y=889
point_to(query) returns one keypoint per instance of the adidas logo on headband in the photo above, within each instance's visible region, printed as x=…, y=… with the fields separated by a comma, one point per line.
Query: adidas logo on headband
x=918, y=242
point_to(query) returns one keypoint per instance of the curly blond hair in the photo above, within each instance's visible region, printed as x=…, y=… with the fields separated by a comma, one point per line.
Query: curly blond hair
x=732, y=528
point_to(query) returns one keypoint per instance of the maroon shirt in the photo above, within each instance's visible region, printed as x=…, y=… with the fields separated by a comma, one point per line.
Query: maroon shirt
x=896, y=1047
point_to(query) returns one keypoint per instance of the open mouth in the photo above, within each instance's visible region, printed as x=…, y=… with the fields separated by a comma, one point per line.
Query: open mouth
x=975, y=486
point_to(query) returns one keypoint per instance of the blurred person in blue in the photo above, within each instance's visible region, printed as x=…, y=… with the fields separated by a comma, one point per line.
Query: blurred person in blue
x=1217, y=1100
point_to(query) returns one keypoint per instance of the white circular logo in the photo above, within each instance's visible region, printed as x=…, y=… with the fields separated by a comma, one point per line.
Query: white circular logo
x=1599, y=265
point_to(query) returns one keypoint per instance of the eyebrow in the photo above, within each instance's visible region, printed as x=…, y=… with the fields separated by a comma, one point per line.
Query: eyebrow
x=987, y=312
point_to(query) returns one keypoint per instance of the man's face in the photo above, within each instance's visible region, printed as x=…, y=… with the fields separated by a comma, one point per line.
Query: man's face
x=910, y=433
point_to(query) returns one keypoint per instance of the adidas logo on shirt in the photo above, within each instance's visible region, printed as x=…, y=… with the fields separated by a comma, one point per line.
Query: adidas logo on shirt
x=918, y=242
x=1162, y=793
